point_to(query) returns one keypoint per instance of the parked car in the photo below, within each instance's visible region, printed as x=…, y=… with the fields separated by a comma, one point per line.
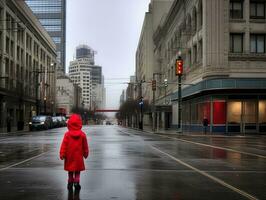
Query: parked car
x=56, y=122
x=62, y=121
x=41, y=122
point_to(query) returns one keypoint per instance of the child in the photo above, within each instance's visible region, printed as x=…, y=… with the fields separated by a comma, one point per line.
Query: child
x=73, y=148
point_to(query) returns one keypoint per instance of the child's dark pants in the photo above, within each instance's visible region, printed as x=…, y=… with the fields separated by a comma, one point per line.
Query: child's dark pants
x=73, y=177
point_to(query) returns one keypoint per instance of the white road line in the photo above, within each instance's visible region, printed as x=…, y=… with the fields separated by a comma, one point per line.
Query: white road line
x=24, y=161
x=216, y=147
x=217, y=180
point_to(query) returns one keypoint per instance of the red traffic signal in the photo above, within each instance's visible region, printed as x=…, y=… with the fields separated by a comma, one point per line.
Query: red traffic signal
x=179, y=67
x=153, y=84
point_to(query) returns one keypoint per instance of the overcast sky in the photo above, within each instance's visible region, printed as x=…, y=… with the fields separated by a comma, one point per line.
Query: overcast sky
x=112, y=28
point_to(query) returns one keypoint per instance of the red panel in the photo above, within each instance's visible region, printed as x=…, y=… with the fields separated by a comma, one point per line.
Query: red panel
x=219, y=112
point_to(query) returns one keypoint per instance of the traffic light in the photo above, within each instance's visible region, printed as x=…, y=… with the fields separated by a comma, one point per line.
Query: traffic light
x=153, y=84
x=165, y=83
x=179, y=67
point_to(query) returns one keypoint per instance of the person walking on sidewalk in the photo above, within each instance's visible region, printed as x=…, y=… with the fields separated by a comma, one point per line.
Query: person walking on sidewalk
x=73, y=148
x=205, y=123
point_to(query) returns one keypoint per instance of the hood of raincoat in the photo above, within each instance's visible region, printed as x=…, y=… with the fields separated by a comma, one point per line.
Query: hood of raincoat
x=74, y=125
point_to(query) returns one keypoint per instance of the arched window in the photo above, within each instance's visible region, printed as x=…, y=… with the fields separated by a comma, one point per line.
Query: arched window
x=200, y=15
x=188, y=24
x=194, y=20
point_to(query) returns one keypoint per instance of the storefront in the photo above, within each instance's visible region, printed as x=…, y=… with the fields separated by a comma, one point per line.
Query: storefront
x=234, y=110
x=229, y=113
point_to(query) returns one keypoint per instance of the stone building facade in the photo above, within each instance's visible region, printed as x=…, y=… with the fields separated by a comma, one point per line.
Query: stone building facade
x=223, y=45
x=27, y=66
x=68, y=95
x=145, y=60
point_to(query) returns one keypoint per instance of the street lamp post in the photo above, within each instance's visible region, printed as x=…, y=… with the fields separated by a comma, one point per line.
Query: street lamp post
x=179, y=72
x=165, y=89
x=46, y=85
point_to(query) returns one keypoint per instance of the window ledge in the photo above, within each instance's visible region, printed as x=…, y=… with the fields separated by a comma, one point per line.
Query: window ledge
x=247, y=56
x=237, y=20
x=257, y=20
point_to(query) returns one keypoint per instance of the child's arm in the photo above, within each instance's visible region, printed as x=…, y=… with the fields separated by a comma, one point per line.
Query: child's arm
x=63, y=148
x=85, y=145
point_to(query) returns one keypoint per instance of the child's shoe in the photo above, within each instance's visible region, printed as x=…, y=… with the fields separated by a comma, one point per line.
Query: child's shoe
x=77, y=186
x=70, y=186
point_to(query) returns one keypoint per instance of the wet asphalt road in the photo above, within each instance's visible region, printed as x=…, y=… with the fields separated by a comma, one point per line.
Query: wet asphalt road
x=130, y=165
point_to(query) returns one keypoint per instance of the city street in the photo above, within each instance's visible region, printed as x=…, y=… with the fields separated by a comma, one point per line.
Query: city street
x=127, y=164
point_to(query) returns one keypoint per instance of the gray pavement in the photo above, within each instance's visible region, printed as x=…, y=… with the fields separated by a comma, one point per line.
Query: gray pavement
x=129, y=164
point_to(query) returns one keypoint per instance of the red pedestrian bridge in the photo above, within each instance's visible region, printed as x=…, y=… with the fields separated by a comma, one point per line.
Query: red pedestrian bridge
x=106, y=110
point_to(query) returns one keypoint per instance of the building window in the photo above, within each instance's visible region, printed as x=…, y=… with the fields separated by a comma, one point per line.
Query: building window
x=257, y=43
x=200, y=53
x=195, y=53
x=236, y=42
x=189, y=58
x=236, y=9
x=257, y=10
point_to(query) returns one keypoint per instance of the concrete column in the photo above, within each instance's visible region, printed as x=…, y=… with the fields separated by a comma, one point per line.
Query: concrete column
x=158, y=121
x=246, y=41
x=164, y=120
x=214, y=34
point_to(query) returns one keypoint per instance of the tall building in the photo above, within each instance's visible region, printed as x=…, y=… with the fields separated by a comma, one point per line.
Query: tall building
x=27, y=54
x=80, y=74
x=85, y=73
x=52, y=15
x=224, y=74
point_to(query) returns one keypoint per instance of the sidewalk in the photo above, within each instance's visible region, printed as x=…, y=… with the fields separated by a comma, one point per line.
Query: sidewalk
x=26, y=129
x=172, y=132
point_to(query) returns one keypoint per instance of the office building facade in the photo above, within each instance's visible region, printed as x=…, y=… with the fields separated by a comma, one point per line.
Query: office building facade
x=27, y=66
x=222, y=44
x=52, y=15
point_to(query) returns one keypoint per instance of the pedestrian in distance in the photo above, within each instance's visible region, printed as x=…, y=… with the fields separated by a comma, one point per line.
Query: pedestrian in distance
x=74, y=148
x=205, y=123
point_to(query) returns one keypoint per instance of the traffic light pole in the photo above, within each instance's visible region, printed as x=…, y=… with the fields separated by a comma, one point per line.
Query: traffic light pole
x=153, y=100
x=179, y=72
x=141, y=107
x=179, y=103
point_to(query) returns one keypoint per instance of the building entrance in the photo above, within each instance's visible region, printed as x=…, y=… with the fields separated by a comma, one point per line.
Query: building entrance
x=242, y=116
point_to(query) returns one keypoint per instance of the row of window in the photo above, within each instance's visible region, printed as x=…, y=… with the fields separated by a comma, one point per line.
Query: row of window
x=56, y=39
x=257, y=43
x=47, y=9
x=257, y=9
x=43, y=3
x=52, y=27
x=47, y=22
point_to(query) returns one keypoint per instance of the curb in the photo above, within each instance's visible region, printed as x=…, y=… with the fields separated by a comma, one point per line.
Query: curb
x=13, y=132
x=199, y=135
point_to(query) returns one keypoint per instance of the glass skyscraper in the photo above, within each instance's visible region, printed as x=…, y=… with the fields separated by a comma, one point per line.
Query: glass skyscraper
x=52, y=15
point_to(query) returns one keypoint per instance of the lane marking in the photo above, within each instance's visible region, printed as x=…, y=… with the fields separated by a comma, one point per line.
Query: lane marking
x=22, y=162
x=216, y=147
x=207, y=145
x=217, y=180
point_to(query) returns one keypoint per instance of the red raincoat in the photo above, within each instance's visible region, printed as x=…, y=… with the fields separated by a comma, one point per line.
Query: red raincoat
x=74, y=145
